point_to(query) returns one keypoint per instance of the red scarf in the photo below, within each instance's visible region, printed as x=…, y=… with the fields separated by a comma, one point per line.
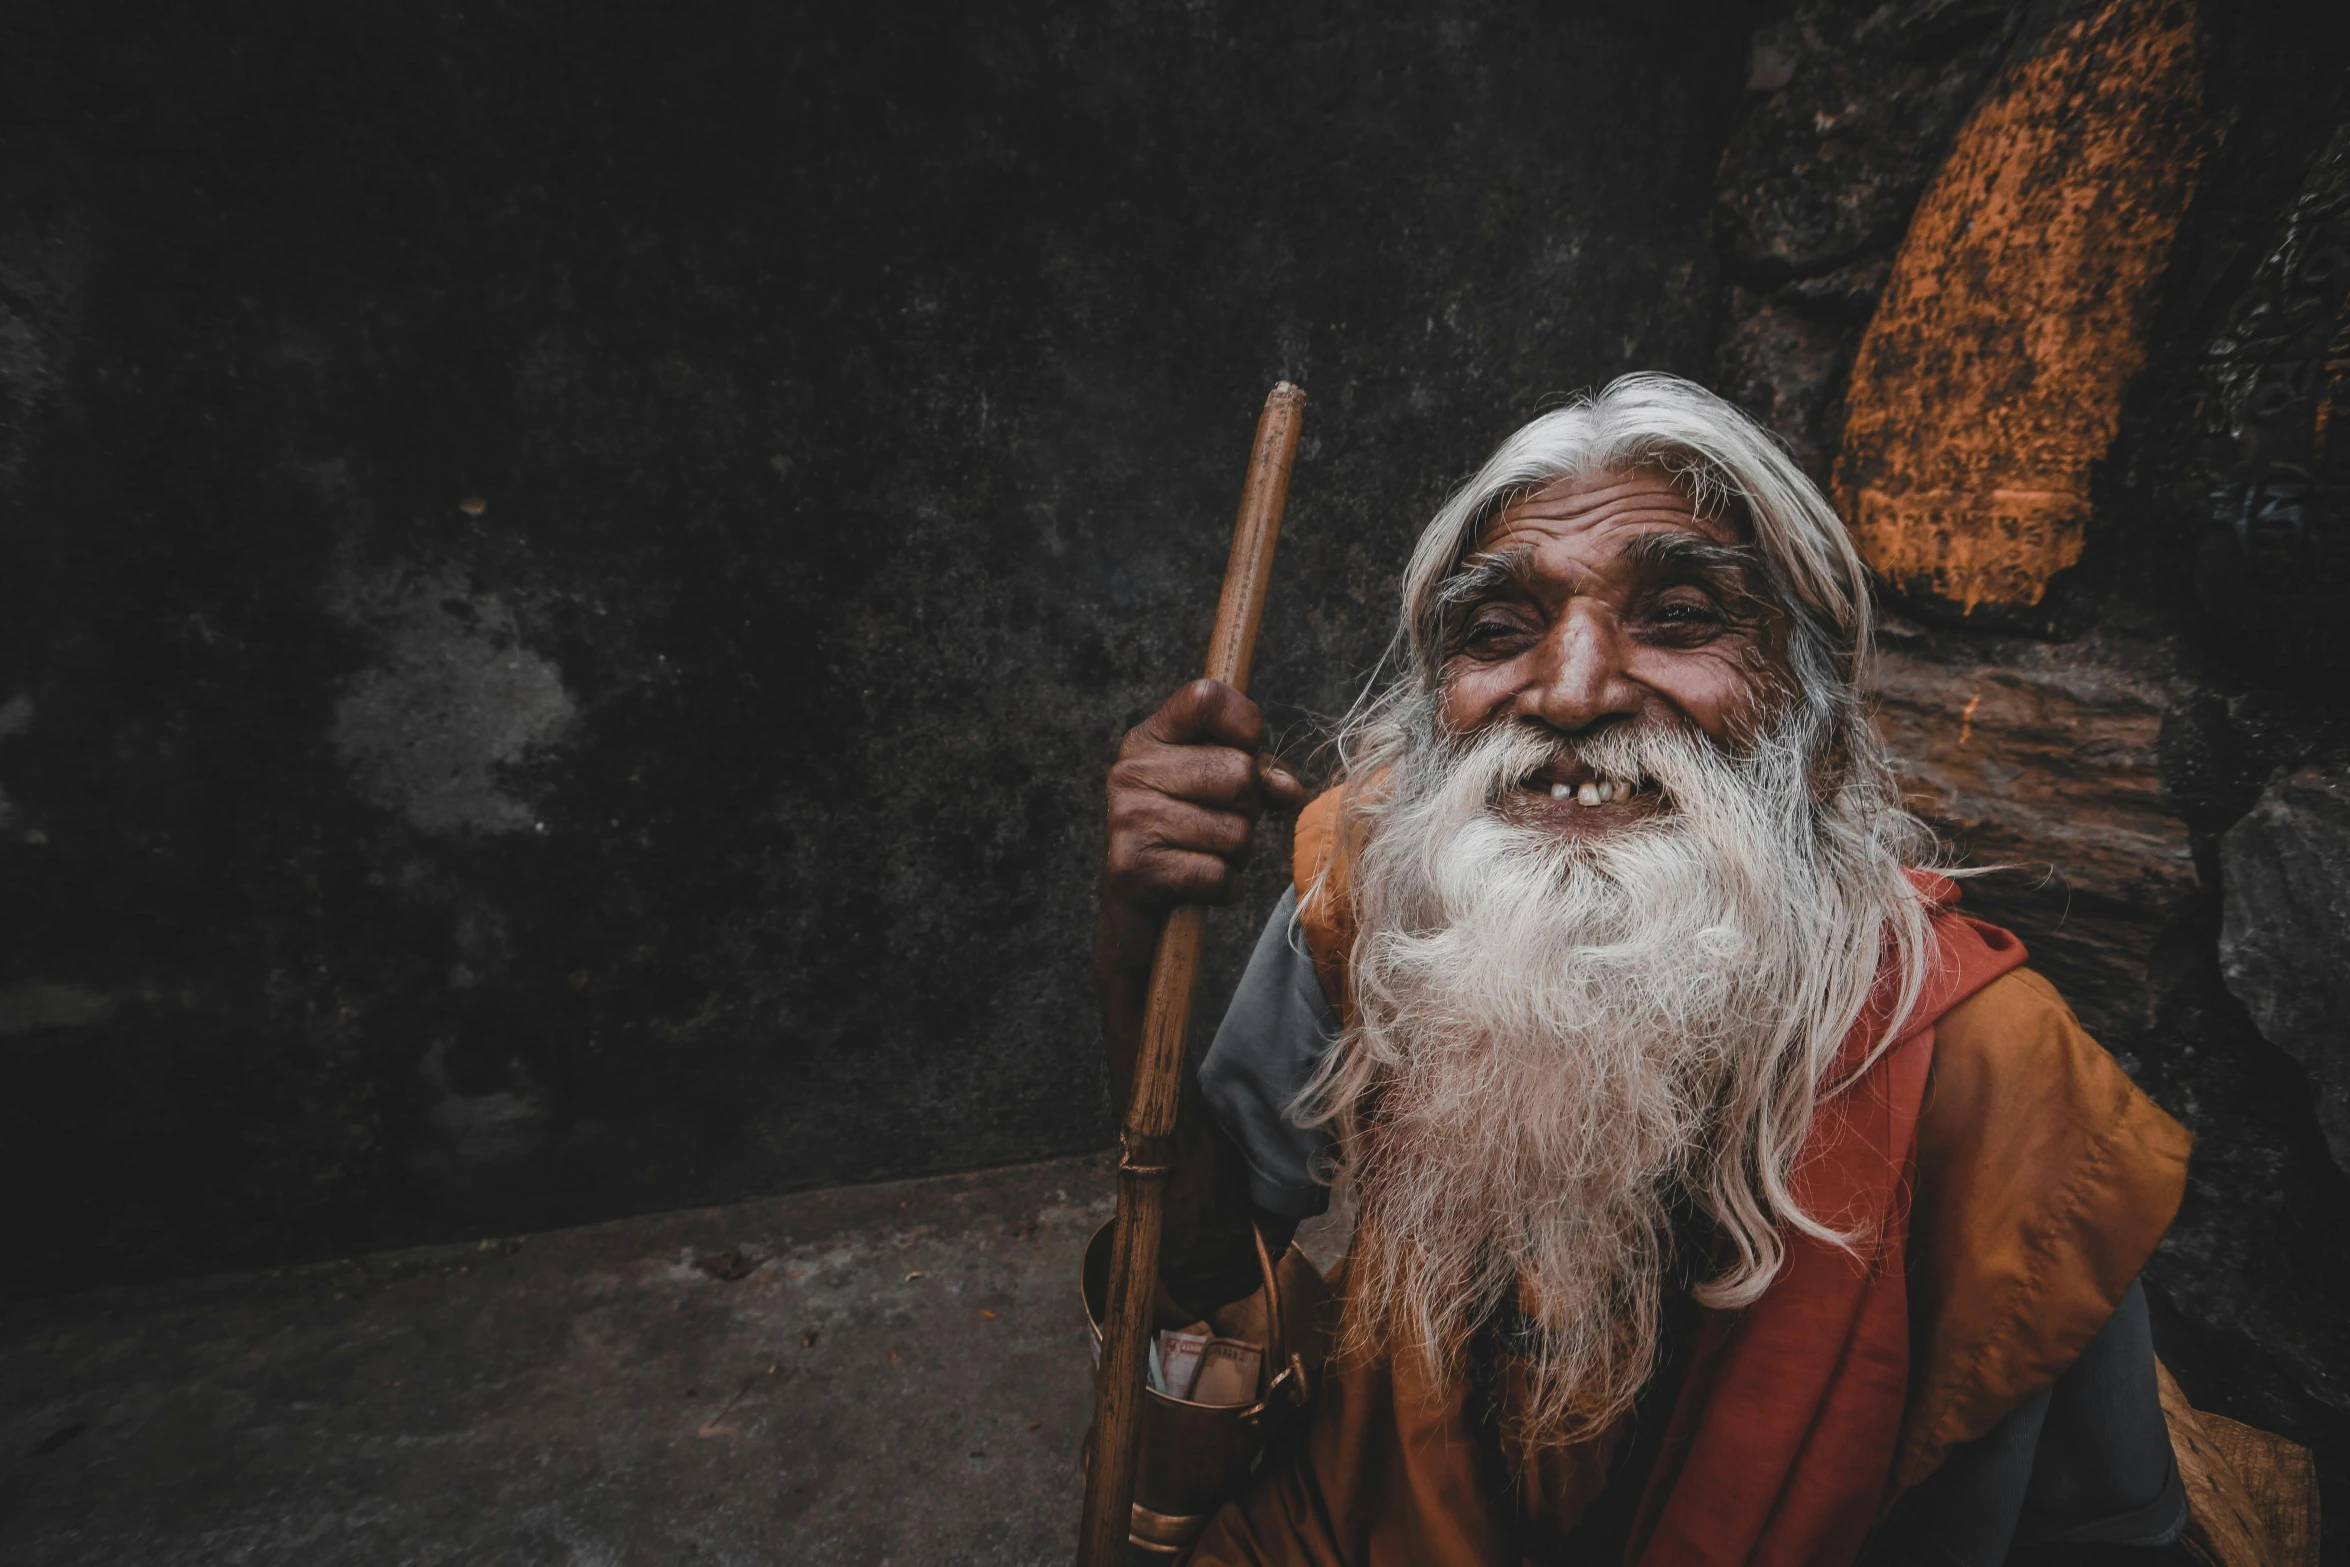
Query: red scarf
x=1780, y=1446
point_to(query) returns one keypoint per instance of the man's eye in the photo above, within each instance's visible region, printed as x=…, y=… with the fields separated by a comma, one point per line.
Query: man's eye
x=1493, y=636
x=1684, y=619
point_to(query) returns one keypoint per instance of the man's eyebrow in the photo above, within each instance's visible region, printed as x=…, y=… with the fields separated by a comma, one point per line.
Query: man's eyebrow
x=1732, y=570
x=1688, y=551
x=1483, y=576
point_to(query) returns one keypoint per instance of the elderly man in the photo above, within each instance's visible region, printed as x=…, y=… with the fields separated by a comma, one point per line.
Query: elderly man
x=1724, y=1195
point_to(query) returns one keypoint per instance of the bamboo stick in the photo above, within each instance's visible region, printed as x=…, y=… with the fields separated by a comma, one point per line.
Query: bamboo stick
x=1147, y=1139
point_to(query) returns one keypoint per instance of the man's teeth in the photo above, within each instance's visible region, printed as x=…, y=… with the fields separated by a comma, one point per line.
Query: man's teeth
x=1592, y=792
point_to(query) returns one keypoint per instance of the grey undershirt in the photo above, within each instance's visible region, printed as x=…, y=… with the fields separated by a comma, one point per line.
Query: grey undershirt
x=2088, y=1462
x=1274, y=1034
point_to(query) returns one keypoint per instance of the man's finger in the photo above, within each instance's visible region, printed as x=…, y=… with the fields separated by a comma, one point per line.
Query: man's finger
x=1208, y=712
x=1191, y=827
x=1204, y=774
x=1282, y=788
x=1189, y=877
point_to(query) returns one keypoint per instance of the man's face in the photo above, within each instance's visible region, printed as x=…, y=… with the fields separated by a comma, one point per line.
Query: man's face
x=1607, y=600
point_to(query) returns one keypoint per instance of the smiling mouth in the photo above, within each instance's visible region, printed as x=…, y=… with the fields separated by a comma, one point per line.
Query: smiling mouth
x=1577, y=785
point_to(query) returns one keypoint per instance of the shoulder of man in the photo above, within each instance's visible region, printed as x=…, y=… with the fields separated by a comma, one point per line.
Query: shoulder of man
x=1325, y=907
x=2045, y=1177
x=1310, y=843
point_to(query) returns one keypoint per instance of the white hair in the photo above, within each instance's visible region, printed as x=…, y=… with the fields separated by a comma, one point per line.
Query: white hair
x=1723, y=459
x=1557, y=1043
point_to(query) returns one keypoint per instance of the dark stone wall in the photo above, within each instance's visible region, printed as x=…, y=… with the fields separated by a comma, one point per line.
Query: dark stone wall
x=2246, y=611
x=572, y=570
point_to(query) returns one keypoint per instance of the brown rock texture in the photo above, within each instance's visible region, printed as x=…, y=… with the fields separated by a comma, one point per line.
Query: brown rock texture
x=2045, y=764
x=1991, y=378
x=1855, y=106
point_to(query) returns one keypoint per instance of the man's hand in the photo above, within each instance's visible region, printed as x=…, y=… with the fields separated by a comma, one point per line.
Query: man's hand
x=1189, y=784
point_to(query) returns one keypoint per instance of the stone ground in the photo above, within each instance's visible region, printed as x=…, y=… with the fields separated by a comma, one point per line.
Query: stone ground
x=893, y=1373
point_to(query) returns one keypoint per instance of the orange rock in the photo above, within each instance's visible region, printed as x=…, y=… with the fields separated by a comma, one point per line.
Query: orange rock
x=1990, y=380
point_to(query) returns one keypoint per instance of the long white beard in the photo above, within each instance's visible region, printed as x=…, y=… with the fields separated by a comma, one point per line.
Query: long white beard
x=1559, y=1039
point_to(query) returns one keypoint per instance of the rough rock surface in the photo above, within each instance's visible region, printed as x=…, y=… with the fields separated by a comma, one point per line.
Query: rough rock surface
x=2018, y=308
x=1852, y=107
x=2045, y=762
x=2273, y=564
x=2284, y=939
x=1858, y=103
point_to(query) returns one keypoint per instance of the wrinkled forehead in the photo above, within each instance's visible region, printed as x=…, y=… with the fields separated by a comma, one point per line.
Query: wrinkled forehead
x=1610, y=507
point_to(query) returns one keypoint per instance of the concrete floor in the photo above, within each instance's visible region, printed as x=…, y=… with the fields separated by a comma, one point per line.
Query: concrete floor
x=880, y=1374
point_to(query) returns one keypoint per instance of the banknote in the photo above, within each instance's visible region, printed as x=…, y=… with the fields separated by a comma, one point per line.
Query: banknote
x=1175, y=1356
x=1227, y=1373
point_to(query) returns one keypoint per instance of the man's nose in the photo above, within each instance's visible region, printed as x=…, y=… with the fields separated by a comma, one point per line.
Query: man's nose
x=1580, y=678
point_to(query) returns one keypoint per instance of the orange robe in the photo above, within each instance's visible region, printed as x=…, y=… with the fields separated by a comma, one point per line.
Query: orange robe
x=2019, y=1181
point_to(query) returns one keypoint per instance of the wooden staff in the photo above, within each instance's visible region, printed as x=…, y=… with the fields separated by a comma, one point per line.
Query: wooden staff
x=1147, y=1140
